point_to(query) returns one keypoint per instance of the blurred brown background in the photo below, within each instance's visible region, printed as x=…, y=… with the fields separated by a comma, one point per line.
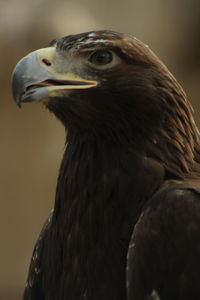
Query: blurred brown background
x=32, y=141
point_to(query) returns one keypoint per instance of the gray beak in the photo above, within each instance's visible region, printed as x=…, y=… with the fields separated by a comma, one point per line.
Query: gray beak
x=35, y=78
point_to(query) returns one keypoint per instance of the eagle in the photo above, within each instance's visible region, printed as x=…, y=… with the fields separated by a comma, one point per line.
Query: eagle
x=126, y=219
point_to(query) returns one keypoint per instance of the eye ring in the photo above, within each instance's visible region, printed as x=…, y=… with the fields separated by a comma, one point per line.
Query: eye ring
x=101, y=57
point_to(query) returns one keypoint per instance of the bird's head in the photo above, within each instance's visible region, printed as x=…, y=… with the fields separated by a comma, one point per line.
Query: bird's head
x=107, y=82
x=94, y=78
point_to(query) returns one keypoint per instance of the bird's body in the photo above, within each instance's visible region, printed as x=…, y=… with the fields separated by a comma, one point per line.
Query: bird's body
x=100, y=228
x=126, y=220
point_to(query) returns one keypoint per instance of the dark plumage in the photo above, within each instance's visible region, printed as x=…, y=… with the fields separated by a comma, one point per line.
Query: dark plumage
x=126, y=222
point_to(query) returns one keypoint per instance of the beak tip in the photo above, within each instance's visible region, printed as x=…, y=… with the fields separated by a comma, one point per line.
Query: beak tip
x=19, y=104
x=17, y=99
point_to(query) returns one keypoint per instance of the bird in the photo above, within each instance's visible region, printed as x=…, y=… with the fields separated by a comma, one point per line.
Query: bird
x=126, y=218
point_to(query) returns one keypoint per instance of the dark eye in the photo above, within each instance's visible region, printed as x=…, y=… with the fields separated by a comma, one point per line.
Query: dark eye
x=101, y=57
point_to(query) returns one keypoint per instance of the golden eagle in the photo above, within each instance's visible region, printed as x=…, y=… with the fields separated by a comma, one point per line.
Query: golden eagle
x=126, y=221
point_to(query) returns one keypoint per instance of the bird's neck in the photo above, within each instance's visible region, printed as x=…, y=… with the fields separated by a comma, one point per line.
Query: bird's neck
x=100, y=195
x=95, y=172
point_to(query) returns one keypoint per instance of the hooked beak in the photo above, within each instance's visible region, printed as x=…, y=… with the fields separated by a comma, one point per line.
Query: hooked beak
x=35, y=78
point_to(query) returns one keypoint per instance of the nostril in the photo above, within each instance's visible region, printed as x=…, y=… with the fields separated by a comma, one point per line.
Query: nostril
x=46, y=62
